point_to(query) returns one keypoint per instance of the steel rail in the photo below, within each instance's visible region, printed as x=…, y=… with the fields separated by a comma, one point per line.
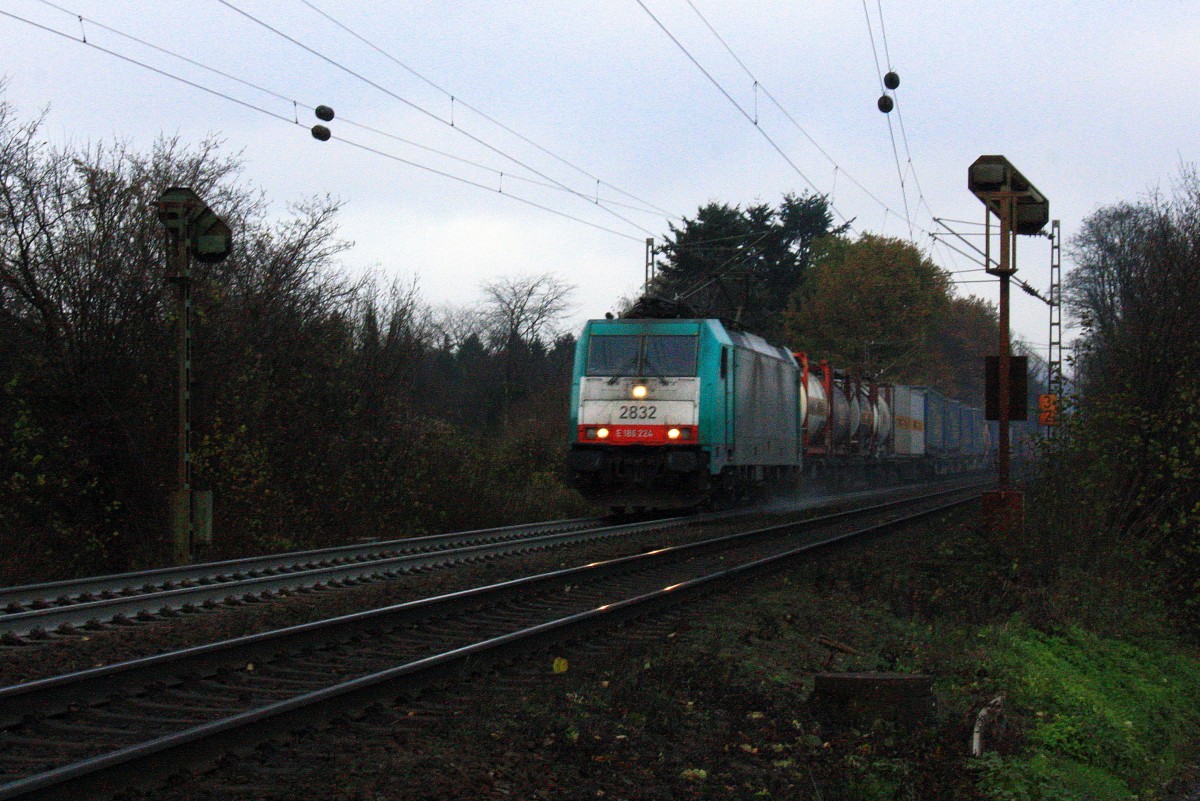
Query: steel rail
x=59, y=593
x=248, y=581
x=24, y=597
x=16, y=699
x=147, y=606
x=66, y=780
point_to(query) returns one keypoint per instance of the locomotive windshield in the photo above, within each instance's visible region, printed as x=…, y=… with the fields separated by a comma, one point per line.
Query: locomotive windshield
x=668, y=355
x=649, y=355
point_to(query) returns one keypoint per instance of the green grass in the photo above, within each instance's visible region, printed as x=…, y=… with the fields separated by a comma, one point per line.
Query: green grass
x=1106, y=719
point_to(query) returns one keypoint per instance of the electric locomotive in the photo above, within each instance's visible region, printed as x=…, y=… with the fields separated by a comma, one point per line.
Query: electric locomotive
x=676, y=412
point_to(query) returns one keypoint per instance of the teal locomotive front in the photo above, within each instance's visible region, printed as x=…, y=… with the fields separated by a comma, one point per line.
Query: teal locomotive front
x=672, y=413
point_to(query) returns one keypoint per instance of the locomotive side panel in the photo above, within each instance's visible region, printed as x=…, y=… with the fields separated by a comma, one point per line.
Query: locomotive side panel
x=765, y=427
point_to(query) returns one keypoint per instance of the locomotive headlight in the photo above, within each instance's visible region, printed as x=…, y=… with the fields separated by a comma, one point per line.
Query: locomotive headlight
x=602, y=433
x=590, y=433
x=673, y=433
x=639, y=391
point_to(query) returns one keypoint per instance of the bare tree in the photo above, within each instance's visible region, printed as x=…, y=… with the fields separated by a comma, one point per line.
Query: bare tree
x=1136, y=442
x=1107, y=252
x=452, y=324
x=522, y=316
x=526, y=309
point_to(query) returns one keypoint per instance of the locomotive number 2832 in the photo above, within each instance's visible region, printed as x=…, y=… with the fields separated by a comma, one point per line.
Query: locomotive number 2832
x=638, y=412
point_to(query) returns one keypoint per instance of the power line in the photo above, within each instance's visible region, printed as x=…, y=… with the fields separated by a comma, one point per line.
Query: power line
x=500, y=174
x=738, y=106
x=965, y=241
x=144, y=65
x=973, y=259
x=883, y=34
x=469, y=182
x=960, y=222
x=455, y=99
x=883, y=87
x=718, y=272
x=900, y=174
x=422, y=110
x=874, y=49
x=910, y=165
x=759, y=86
x=289, y=121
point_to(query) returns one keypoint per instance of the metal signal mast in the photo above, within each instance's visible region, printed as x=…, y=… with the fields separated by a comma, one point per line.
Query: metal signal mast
x=1022, y=210
x=1054, y=377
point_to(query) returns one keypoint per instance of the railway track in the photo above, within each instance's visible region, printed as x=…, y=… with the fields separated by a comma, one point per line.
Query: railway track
x=63, y=593
x=74, y=606
x=94, y=729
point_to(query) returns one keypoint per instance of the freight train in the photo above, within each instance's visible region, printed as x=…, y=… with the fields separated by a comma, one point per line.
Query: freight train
x=676, y=413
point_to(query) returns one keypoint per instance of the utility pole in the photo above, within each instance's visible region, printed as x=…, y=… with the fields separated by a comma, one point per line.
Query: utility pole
x=1021, y=209
x=193, y=231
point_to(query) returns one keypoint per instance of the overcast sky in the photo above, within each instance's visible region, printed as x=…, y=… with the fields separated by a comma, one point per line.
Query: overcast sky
x=1092, y=101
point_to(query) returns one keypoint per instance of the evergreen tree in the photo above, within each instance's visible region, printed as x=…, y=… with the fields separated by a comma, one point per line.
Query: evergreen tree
x=742, y=265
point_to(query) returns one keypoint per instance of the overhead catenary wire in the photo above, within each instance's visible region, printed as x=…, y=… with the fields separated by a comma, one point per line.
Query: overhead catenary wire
x=749, y=117
x=457, y=100
x=899, y=117
x=83, y=41
x=911, y=167
x=271, y=93
x=960, y=222
x=921, y=200
x=974, y=260
x=469, y=182
x=759, y=86
x=718, y=272
x=883, y=34
x=342, y=120
x=891, y=131
x=424, y=111
x=937, y=236
x=874, y=49
x=90, y=32
x=292, y=122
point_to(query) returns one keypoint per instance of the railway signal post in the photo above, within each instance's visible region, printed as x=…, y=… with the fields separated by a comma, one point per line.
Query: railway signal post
x=1022, y=210
x=193, y=231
